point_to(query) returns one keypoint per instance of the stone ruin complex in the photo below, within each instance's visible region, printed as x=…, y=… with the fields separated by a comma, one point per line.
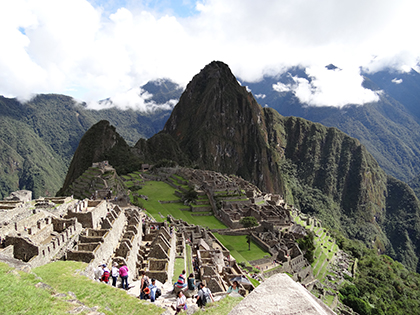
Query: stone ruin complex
x=99, y=231
x=232, y=198
x=212, y=260
x=102, y=231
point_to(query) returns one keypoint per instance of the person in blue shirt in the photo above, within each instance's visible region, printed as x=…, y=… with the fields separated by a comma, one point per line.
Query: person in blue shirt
x=153, y=288
x=234, y=287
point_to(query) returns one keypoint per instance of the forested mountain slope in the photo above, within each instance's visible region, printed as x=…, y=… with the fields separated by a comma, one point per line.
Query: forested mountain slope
x=38, y=138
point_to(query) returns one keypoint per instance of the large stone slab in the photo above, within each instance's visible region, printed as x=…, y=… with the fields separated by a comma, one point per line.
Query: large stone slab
x=281, y=295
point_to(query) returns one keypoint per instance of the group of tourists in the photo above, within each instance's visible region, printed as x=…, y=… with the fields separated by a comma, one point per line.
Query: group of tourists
x=203, y=296
x=103, y=274
x=148, y=288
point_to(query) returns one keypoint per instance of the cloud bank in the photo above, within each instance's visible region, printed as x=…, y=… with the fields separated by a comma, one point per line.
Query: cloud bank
x=95, y=50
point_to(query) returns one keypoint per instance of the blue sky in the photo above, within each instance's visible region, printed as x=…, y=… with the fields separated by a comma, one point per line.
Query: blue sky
x=179, y=8
x=92, y=49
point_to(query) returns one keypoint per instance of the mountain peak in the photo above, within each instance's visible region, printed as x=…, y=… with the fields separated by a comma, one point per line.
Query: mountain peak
x=219, y=125
x=212, y=92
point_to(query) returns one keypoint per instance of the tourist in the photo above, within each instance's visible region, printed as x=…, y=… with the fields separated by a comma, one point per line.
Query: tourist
x=143, y=285
x=105, y=274
x=98, y=273
x=153, y=288
x=114, y=273
x=191, y=282
x=146, y=293
x=123, y=271
x=234, y=287
x=204, y=295
x=181, y=302
x=181, y=283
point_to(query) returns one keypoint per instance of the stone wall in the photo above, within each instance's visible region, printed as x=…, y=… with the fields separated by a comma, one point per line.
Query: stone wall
x=158, y=269
x=42, y=243
x=90, y=217
x=93, y=252
x=134, y=231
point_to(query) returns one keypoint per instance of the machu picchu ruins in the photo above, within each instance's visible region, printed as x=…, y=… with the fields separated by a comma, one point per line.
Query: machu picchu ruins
x=105, y=228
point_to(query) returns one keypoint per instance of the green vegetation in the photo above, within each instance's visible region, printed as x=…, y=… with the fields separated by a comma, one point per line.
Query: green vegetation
x=248, y=222
x=190, y=196
x=20, y=296
x=190, y=268
x=238, y=248
x=178, y=267
x=382, y=286
x=38, y=138
x=223, y=306
x=159, y=191
x=307, y=246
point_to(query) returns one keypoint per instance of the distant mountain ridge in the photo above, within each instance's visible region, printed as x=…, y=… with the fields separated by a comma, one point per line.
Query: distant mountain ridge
x=38, y=138
x=389, y=128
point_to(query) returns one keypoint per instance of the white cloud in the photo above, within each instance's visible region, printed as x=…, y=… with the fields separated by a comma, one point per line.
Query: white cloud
x=94, y=50
x=261, y=96
x=396, y=81
x=329, y=88
x=136, y=99
x=281, y=87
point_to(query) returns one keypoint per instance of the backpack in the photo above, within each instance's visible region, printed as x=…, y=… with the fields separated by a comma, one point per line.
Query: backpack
x=206, y=296
x=105, y=276
x=145, y=283
x=158, y=293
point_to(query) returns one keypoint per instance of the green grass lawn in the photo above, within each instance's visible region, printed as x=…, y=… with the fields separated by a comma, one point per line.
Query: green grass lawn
x=189, y=259
x=179, y=266
x=238, y=247
x=18, y=294
x=224, y=306
x=256, y=283
x=156, y=190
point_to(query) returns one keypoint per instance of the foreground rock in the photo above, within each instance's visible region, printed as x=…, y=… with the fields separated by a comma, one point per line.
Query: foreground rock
x=279, y=295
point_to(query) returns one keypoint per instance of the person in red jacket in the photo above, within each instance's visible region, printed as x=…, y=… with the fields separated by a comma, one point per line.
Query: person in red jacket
x=124, y=276
x=105, y=274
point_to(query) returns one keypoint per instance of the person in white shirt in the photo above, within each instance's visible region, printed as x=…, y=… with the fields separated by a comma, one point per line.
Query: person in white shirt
x=204, y=295
x=181, y=302
x=114, y=274
x=98, y=273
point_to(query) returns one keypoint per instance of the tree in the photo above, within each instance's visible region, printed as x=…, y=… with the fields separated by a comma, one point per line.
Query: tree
x=248, y=222
x=190, y=196
x=307, y=245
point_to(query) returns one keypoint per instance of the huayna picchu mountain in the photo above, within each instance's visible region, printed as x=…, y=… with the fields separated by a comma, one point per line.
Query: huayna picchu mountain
x=100, y=142
x=218, y=125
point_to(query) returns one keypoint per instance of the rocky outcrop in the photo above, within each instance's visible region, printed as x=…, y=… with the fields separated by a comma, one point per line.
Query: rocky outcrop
x=279, y=294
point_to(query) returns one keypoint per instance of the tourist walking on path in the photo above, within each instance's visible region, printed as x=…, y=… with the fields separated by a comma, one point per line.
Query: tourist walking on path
x=123, y=271
x=204, y=295
x=143, y=285
x=181, y=302
x=114, y=274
